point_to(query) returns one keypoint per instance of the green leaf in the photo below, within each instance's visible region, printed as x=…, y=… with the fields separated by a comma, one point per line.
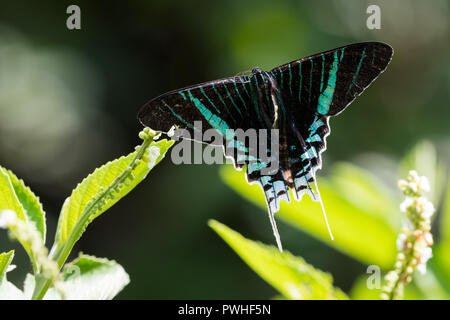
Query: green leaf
x=30, y=202
x=441, y=263
x=441, y=256
x=10, y=201
x=94, y=278
x=359, y=231
x=99, y=181
x=5, y=261
x=445, y=219
x=290, y=275
x=7, y=290
x=87, y=278
x=430, y=287
x=8, y=197
x=361, y=291
x=366, y=192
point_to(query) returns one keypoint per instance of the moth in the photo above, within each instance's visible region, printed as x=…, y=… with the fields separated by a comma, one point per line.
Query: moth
x=297, y=98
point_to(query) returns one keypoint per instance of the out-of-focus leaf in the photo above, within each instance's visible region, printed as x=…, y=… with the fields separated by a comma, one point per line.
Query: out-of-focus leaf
x=359, y=232
x=430, y=286
x=30, y=203
x=10, y=201
x=5, y=261
x=290, y=275
x=445, y=219
x=279, y=297
x=441, y=256
x=365, y=191
x=361, y=291
x=99, y=180
x=423, y=159
x=441, y=263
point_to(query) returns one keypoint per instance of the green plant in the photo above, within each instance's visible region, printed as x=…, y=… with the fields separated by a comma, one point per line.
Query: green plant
x=415, y=240
x=365, y=219
x=87, y=277
x=290, y=275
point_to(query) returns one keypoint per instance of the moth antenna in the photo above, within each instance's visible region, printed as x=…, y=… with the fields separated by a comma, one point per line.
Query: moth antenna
x=323, y=209
x=196, y=141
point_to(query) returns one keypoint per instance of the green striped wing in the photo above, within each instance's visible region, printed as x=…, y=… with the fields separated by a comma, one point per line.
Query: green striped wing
x=221, y=104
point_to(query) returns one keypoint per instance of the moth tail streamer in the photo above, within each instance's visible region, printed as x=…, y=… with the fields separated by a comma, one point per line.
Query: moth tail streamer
x=323, y=209
x=275, y=229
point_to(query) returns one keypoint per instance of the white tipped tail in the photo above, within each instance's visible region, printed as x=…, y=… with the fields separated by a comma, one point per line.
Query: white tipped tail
x=323, y=208
x=275, y=229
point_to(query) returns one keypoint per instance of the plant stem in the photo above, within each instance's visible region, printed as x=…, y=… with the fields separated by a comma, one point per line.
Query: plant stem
x=415, y=240
x=61, y=254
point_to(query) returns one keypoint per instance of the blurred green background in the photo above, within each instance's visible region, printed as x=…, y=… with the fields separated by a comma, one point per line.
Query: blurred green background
x=68, y=103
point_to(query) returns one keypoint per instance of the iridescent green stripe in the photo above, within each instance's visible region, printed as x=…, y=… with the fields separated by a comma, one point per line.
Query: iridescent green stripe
x=178, y=117
x=231, y=98
x=323, y=67
x=326, y=97
x=224, y=104
x=281, y=75
x=182, y=94
x=245, y=89
x=290, y=78
x=300, y=86
x=310, y=80
x=240, y=97
x=206, y=96
x=215, y=121
x=357, y=71
x=255, y=101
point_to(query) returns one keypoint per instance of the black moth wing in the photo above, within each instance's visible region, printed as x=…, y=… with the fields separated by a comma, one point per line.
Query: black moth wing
x=218, y=104
x=313, y=89
x=358, y=66
x=341, y=74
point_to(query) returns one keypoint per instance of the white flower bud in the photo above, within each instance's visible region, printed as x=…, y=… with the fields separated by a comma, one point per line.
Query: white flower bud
x=171, y=132
x=391, y=276
x=422, y=268
x=6, y=217
x=408, y=202
x=424, y=184
x=153, y=154
x=413, y=175
x=401, y=242
x=427, y=209
x=426, y=255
